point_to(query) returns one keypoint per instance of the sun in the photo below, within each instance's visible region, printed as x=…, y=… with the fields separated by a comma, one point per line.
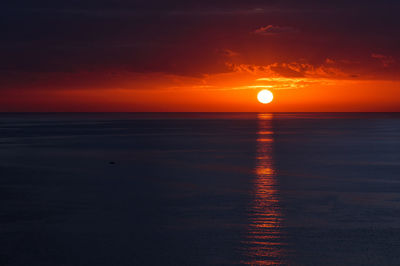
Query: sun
x=265, y=96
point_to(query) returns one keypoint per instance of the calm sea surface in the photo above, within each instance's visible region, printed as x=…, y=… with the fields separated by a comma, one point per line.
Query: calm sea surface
x=200, y=189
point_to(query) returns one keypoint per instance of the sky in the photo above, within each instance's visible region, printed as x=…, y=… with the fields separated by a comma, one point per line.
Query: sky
x=207, y=56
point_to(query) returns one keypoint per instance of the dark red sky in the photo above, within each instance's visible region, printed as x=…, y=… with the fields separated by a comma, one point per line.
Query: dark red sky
x=199, y=56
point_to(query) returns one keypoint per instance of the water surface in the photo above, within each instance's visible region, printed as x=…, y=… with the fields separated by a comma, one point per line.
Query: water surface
x=200, y=189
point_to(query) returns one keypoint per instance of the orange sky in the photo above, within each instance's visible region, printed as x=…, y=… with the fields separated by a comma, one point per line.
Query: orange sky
x=208, y=56
x=234, y=91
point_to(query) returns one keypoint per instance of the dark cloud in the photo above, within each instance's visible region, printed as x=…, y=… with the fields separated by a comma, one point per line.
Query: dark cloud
x=189, y=38
x=271, y=30
x=301, y=69
x=228, y=53
x=384, y=59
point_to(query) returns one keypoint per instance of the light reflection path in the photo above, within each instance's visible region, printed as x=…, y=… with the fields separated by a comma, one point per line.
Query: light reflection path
x=264, y=244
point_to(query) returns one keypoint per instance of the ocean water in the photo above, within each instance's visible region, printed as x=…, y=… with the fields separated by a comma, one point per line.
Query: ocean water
x=200, y=189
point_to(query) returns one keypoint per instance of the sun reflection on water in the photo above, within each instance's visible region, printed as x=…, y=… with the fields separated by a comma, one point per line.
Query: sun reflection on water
x=264, y=245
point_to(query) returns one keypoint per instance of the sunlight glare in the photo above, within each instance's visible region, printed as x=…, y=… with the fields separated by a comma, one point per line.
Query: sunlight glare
x=265, y=96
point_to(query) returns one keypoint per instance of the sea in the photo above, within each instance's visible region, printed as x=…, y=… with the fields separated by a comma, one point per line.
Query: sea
x=199, y=189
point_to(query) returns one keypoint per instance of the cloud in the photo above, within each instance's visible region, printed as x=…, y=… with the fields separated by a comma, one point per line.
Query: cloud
x=228, y=53
x=271, y=30
x=384, y=59
x=330, y=61
x=291, y=70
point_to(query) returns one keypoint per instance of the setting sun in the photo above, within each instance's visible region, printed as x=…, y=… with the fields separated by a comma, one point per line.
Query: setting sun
x=265, y=96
